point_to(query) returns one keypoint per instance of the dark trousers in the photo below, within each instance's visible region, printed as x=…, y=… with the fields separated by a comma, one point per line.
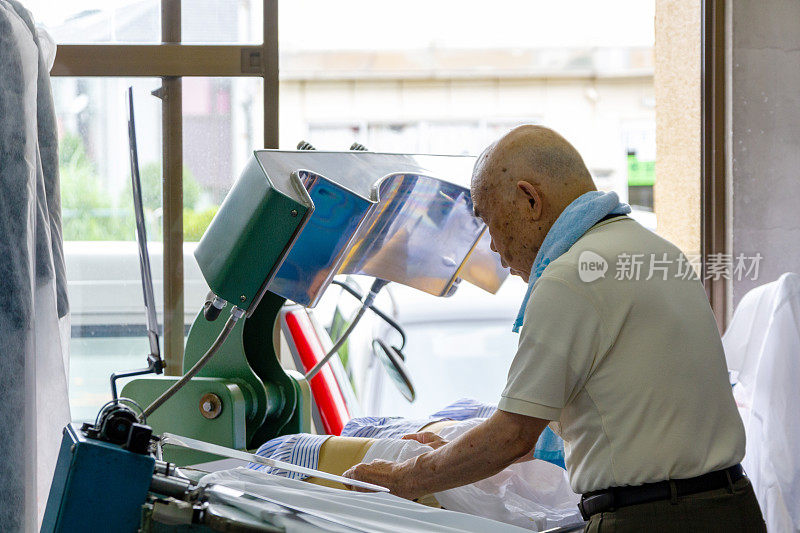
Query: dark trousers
x=731, y=509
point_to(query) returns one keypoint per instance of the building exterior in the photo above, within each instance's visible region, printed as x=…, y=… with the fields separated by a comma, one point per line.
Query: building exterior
x=425, y=93
x=459, y=101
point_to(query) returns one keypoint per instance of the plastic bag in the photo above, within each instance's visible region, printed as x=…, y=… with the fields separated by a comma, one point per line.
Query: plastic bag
x=532, y=494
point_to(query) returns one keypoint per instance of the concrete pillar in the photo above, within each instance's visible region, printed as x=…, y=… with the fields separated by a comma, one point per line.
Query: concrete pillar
x=764, y=143
x=677, y=89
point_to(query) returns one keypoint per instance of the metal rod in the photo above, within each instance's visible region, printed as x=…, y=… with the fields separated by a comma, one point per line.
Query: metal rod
x=170, y=486
x=377, y=285
x=141, y=240
x=713, y=153
x=172, y=197
x=128, y=374
x=386, y=318
x=208, y=447
x=270, y=63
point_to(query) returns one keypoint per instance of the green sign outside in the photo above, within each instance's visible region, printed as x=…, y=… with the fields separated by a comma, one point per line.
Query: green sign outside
x=640, y=172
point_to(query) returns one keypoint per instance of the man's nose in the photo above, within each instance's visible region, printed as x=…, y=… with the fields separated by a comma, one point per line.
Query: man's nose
x=492, y=246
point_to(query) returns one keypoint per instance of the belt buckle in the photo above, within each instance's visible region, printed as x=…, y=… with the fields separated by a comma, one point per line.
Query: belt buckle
x=596, y=503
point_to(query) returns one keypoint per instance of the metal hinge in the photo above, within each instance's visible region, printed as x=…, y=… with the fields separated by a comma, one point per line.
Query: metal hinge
x=252, y=60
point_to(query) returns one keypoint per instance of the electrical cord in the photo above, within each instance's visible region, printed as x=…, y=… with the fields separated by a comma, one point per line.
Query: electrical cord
x=236, y=314
x=386, y=318
x=377, y=285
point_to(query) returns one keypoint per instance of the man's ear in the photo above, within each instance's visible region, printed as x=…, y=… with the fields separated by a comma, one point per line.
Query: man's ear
x=531, y=194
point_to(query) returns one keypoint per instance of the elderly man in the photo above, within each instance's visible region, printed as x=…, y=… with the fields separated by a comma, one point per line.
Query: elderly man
x=626, y=365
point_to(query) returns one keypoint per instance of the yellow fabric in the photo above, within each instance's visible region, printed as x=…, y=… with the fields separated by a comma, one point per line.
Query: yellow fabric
x=632, y=370
x=338, y=454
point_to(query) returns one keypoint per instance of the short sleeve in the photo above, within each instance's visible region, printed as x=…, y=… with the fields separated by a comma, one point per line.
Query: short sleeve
x=560, y=339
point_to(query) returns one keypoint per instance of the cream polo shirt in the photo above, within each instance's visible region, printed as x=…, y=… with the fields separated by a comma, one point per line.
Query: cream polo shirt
x=631, y=370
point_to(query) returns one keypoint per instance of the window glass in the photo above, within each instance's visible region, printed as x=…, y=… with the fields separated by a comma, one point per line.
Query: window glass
x=474, y=355
x=103, y=278
x=99, y=21
x=139, y=21
x=223, y=122
x=222, y=21
x=397, y=81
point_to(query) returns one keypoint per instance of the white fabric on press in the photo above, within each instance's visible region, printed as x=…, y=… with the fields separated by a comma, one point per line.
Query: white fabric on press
x=373, y=512
x=533, y=494
x=34, y=317
x=762, y=346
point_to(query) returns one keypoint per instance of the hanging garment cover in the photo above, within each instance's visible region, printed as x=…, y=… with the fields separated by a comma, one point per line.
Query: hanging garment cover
x=34, y=319
x=762, y=346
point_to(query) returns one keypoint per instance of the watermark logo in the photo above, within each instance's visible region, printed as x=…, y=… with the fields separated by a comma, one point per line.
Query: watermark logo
x=663, y=266
x=591, y=266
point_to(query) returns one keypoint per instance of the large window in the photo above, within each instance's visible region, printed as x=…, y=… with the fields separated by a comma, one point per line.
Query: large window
x=419, y=76
x=195, y=130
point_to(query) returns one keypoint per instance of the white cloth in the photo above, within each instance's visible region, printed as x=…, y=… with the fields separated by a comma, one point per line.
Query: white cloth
x=762, y=345
x=625, y=355
x=372, y=512
x=34, y=318
x=532, y=494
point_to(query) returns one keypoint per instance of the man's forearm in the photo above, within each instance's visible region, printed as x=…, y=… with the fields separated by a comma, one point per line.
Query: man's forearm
x=477, y=454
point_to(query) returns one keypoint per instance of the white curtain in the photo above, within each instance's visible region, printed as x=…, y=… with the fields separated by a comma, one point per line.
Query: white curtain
x=34, y=313
x=762, y=346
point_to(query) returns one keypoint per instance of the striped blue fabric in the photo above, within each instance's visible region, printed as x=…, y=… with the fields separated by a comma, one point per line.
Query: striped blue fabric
x=549, y=447
x=303, y=449
x=383, y=427
x=393, y=427
x=465, y=409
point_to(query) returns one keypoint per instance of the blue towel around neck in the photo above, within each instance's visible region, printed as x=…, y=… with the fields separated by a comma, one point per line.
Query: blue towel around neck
x=583, y=213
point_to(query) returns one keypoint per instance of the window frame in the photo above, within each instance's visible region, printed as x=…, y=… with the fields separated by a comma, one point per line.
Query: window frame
x=171, y=61
x=714, y=174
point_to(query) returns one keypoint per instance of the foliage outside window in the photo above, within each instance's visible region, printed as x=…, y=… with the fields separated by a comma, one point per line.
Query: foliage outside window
x=91, y=213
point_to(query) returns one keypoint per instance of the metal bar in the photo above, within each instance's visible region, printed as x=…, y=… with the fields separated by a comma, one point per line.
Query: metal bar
x=141, y=238
x=154, y=60
x=270, y=63
x=208, y=447
x=171, y=59
x=172, y=197
x=713, y=192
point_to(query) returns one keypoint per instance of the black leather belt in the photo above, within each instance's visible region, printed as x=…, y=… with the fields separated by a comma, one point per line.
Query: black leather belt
x=611, y=499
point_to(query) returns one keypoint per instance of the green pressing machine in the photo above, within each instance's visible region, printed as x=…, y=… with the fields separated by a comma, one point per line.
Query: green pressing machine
x=292, y=221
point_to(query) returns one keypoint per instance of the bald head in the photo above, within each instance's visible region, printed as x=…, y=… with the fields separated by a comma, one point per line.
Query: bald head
x=521, y=184
x=537, y=155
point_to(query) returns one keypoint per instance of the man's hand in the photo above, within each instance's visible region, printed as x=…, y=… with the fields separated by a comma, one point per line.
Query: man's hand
x=479, y=453
x=384, y=473
x=391, y=475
